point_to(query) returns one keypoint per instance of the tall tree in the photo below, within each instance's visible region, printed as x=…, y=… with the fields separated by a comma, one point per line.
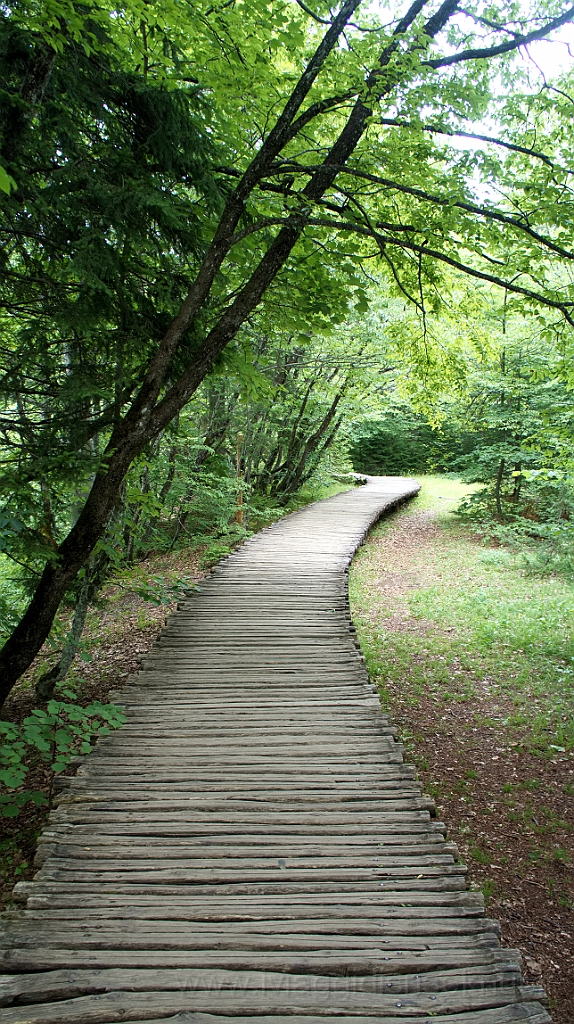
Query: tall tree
x=330, y=134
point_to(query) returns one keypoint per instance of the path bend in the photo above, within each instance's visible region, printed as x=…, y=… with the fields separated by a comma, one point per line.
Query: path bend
x=250, y=846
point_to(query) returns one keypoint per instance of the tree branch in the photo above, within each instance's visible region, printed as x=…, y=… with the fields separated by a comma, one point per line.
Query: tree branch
x=486, y=21
x=418, y=193
x=495, y=51
x=395, y=122
x=315, y=17
x=424, y=250
x=320, y=107
x=138, y=416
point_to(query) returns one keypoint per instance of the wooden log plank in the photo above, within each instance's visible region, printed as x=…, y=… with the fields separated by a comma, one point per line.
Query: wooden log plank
x=179, y=937
x=234, y=907
x=434, y=884
x=324, y=962
x=96, y=1009
x=69, y=984
x=81, y=813
x=280, y=807
x=152, y=850
x=382, y=841
x=160, y=874
x=533, y=1013
x=60, y=829
x=166, y=921
x=241, y=860
x=249, y=788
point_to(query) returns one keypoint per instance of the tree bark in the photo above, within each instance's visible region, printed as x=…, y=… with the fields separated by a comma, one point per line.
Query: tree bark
x=47, y=683
x=517, y=482
x=33, y=629
x=292, y=479
x=498, y=487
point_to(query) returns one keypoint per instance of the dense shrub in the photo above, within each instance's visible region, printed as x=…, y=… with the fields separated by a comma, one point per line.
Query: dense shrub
x=402, y=442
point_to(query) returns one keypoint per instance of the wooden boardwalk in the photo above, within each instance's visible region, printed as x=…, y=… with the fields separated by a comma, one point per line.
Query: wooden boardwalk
x=250, y=846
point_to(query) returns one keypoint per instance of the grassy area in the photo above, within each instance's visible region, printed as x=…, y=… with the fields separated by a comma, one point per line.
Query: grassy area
x=497, y=628
x=474, y=660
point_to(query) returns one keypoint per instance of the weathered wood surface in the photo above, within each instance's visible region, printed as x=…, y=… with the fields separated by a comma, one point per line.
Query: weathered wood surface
x=250, y=846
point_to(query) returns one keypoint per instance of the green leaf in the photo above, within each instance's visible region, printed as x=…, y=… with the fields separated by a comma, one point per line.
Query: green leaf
x=7, y=183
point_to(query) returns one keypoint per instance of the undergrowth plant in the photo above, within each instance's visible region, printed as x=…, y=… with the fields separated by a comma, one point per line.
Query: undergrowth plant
x=55, y=736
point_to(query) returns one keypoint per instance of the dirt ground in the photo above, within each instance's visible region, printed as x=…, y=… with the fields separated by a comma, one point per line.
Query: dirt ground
x=118, y=634
x=509, y=811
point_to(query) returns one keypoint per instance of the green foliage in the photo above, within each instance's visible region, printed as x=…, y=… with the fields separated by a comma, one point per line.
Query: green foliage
x=152, y=587
x=57, y=734
x=115, y=192
x=217, y=549
x=7, y=183
x=404, y=442
x=11, y=861
x=519, y=406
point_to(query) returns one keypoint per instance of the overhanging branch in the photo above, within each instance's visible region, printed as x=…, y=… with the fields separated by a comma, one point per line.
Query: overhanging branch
x=486, y=52
x=417, y=193
x=465, y=268
x=452, y=133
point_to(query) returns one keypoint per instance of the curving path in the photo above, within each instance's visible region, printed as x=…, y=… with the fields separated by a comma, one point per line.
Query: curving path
x=250, y=845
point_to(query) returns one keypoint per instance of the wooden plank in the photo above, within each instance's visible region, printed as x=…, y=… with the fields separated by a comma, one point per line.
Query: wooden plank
x=160, y=874
x=234, y=907
x=117, y=848
x=366, y=926
x=315, y=832
x=237, y=859
x=251, y=788
x=533, y=1013
x=327, y=962
x=97, y=1009
x=253, y=942
x=69, y=984
x=380, y=841
x=282, y=805
x=155, y=814
x=435, y=884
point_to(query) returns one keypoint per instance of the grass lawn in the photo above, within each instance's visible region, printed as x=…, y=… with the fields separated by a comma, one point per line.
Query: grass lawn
x=475, y=660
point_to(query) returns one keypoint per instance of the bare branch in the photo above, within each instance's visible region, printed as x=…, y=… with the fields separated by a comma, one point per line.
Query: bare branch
x=495, y=51
x=486, y=21
x=560, y=92
x=398, y=281
x=395, y=122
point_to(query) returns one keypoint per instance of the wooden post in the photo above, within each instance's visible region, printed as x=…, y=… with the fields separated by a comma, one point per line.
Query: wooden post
x=239, y=510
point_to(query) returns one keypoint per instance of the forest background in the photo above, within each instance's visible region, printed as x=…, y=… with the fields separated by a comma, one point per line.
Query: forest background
x=246, y=248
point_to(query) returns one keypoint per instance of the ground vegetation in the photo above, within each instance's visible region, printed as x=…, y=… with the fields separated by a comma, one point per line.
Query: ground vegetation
x=477, y=667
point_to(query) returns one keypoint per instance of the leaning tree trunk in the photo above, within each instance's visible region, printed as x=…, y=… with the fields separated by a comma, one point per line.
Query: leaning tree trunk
x=34, y=627
x=46, y=684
